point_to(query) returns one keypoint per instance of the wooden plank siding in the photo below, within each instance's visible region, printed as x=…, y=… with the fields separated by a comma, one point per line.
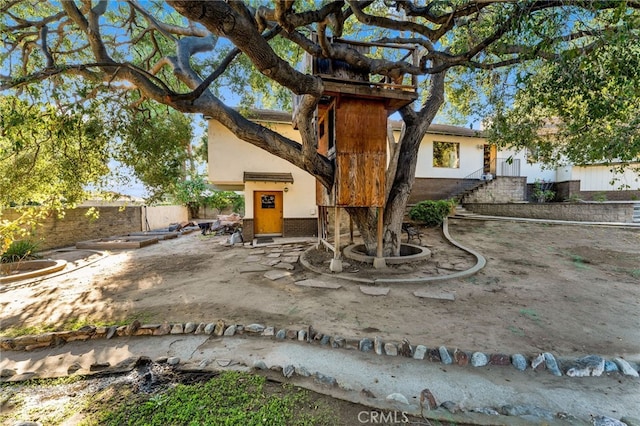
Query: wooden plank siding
x=361, y=132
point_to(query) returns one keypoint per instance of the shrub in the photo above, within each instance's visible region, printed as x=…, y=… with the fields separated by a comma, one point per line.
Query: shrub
x=20, y=250
x=431, y=213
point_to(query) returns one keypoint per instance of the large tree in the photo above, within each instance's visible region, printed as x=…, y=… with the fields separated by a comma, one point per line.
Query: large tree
x=182, y=56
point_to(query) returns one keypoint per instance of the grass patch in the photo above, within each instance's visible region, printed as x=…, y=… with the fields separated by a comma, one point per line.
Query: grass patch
x=530, y=314
x=232, y=398
x=579, y=262
x=517, y=331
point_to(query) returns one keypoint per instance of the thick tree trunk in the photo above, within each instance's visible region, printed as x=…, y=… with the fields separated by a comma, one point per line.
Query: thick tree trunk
x=401, y=183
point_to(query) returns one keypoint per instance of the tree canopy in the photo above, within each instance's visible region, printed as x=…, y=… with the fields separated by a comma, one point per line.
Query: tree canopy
x=205, y=57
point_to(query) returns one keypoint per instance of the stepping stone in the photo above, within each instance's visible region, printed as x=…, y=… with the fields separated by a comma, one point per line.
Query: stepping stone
x=276, y=275
x=318, y=284
x=290, y=259
x=270, y=262
x=284, y=265
x=374, y=291
x=252, y=268
x=274, y=255
x=251, y=259
x=257, y=252
x=425, y=294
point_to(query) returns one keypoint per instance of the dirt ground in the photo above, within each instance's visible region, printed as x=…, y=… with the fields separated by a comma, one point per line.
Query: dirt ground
x=570, y=290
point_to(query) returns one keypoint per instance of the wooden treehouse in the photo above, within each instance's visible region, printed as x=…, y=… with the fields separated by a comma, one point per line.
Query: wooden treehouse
x=352, y=131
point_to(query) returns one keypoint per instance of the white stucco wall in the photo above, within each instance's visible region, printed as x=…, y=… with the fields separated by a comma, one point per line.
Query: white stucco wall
x=230, y=157
x=471, y=157
x=534, y=171
x=601, y=178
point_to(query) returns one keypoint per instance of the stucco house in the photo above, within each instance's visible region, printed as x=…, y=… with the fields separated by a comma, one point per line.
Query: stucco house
x=280, y=198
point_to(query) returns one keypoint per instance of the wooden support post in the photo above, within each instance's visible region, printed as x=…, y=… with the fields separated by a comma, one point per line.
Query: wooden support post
x=378, y=261
x=336, y=262
x=350, y=230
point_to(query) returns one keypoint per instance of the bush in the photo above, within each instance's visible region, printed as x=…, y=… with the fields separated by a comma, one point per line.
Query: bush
x=431, y=213
x=20, y=250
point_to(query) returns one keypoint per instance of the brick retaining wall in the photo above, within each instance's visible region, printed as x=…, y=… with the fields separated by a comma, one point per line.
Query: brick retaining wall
x=293, y=227
x=581, y=212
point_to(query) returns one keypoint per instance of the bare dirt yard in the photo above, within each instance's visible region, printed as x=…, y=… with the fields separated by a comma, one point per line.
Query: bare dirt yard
x=570, y=290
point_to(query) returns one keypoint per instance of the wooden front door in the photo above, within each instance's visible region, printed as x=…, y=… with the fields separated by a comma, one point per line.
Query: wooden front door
x=267, y=212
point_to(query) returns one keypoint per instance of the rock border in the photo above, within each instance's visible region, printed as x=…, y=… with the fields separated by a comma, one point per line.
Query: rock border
x=589, y=365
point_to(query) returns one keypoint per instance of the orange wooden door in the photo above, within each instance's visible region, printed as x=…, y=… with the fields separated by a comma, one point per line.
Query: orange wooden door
x=267, y=213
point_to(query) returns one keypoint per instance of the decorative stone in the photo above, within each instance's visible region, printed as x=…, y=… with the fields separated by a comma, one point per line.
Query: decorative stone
x=352, y=344
x=397, y=397
x=208, y=329
x=230, y=331
x=111, y=331
x=444, y=355
x=461, y=357
x=223, y=362
x=254, y=328
x=374, y=291
x=189, y=328
x=252, y=258
x=302, y=371
x=405, y=348
x=338, y=342
x=451, y=407
x=130, y=330
x=606, y=421
x=365, y=345
x=292, y=334
x=177, y=329
x=419, y=352
x=276, y=275
x=269, y=331
x=391, y=349
x=97, y=366
x=288, y=370
x=302, y=335
x=478, y=359
x=311, y=334
x=274, y=255
x=270, y=262
x=610, y=367
x=173, y=360
x=499, y=359
x=519, y=362
x=325, y=380
x=625, y=367
x=290, y=259
x=219, y=328
x=378, y=345
x=537, y=362
x=73, y=368
x=590, y=365
x=200, y=328
x=433, y=355
x=326, y=339
x=285, y=265
x=7, y=372
x=551, y=364
x=259, y=365
x=527, y=410
x=281, y=334
x=427, y=400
